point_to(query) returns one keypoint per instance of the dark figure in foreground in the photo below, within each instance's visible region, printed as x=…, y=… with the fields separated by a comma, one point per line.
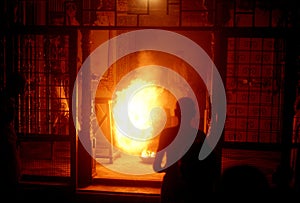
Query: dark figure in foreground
x=9, y=157
x=244, y=179
x=172, y=184
x=188, y=178
x=200, y=176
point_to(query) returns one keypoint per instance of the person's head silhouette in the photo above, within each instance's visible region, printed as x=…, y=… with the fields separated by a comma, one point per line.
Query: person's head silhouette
x=185, y=110
x=243, y=179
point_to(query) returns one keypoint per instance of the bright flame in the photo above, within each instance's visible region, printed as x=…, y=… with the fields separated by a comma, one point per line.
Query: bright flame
x=138, y=116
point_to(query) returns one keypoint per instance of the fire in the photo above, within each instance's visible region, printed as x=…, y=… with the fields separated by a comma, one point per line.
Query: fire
x=138, y=116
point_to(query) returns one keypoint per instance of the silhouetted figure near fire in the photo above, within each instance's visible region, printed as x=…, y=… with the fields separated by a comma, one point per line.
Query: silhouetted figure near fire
x=189, y=178
x=245, y=180
x=9, y=157
x=172, y=185
x=200, y=176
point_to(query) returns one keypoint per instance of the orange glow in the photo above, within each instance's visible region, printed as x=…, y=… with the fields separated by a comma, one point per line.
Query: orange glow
x=142, y=98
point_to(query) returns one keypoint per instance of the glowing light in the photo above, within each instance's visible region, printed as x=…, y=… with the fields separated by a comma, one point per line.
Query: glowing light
x=134, y=108
x=164, y=41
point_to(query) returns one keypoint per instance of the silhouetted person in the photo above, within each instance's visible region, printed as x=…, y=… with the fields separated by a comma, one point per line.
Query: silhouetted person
x=199, y=176
x=9, y=157
x=187, y=179
x=243, y=180
x=171, y=189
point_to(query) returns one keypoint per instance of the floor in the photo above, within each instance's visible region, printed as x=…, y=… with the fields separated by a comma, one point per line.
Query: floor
x=127, y=167
x=267, y=161
x=111, y=186
x=107, y=179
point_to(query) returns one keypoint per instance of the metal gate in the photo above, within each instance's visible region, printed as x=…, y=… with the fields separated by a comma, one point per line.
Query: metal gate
x=44, y=122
